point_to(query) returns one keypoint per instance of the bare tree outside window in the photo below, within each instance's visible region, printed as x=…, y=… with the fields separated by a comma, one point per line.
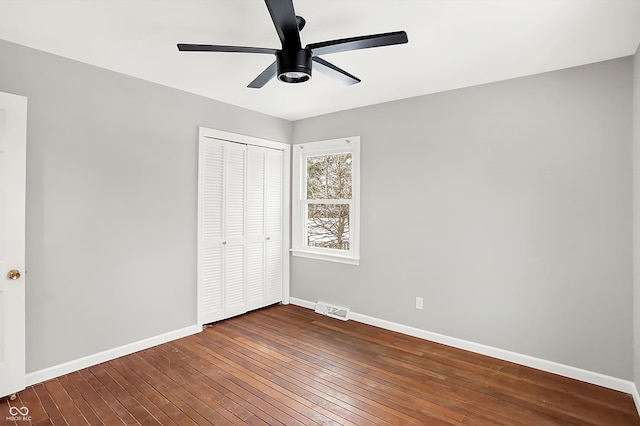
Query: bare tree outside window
x=329, y=177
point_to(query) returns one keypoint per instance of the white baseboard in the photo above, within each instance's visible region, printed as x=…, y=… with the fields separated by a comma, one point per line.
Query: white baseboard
x=621, y=385
x=636, y=397
x=303, y=303
x=90, y=360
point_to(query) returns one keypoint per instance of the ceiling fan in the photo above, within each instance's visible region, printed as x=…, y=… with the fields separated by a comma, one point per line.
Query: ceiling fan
x=293, y=63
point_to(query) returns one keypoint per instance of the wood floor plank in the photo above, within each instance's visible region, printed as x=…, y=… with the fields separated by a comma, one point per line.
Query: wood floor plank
x=286, y=365
x=49, y=406
x=217, y=394
x=289, y=383
x=155, y=401
x=80, y=403
x=197, y=387
x=127, y=384
x=29, y=399
x=371, y=380
x=5, y=412
x=102, y=409
x=145, y=411
x=441, y=392
x=315, y=377
x=509, y=395
x=292, y=414
x=332, y=382
x=100, y=389
x=156, y=394
x=65, y=404
x=163, y=384
x=278, y=393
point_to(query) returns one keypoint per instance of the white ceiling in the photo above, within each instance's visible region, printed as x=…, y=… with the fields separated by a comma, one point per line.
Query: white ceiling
x=452, y=43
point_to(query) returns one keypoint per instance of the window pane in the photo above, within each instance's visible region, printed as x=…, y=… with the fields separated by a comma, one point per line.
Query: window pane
x=328, y=226
x=329, y=177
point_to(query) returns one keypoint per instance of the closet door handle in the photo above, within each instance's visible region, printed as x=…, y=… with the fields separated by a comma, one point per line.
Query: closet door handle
x=268, y=238
x=224, y=243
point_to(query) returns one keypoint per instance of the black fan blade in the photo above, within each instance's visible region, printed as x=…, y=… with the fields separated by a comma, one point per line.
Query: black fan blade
x=284, y=18
x=356, y=43
x=330, y=70
x=264, y=77
x=216, y=48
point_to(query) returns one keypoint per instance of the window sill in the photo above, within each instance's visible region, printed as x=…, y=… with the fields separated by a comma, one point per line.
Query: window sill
x=326, y=257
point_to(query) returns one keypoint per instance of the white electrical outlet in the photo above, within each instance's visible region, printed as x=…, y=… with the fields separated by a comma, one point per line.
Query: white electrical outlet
x=418, y=302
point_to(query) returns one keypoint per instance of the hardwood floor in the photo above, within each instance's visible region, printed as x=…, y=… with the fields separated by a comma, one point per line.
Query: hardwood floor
x=287, y=365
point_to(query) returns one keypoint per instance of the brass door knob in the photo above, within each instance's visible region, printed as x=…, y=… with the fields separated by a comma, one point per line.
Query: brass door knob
x=13, y=274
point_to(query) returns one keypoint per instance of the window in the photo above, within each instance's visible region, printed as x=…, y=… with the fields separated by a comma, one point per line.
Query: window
x=326, y=203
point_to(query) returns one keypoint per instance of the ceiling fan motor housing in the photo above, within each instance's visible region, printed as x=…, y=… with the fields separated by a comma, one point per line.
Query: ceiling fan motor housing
x=294, y=66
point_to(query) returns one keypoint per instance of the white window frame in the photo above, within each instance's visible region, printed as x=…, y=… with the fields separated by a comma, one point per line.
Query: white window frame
x=299, y=200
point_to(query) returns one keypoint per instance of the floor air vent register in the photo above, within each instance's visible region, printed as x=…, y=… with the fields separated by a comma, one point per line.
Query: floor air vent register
x=333, y=311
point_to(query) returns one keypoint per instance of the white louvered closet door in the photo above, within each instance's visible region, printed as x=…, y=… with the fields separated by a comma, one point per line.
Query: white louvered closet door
x=240, y=226
x=264, y=226
x=273, y=218
x=211, y=231
x=234, y=244
x=221, y=281
x=256, y=232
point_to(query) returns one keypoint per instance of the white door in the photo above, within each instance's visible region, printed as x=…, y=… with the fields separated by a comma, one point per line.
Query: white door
x=13, y=142
x=256, y=234
x=234, y=244
x=274, y=219
x=221, y=233
x=240, y=226
x=264, y=226
x=210, y=232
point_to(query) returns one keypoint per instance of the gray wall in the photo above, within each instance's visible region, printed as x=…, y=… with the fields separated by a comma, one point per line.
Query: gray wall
x=111, y=202
x=506, y=206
